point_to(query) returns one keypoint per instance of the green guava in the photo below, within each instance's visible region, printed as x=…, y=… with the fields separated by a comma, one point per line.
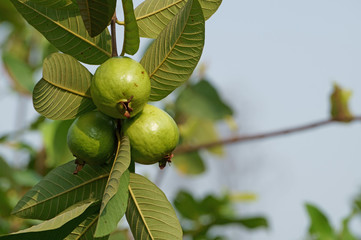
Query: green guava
x=153, y=135
x=91, y=138
x=120, y=87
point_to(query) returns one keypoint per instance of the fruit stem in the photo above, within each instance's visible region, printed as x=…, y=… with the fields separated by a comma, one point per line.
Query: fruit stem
x=113, y=34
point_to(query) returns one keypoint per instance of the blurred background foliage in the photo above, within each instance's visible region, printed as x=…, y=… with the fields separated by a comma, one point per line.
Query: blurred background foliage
x=197, y=108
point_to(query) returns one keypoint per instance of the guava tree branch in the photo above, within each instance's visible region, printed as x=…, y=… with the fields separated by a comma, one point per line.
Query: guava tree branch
x=245, y=138
x=114, y=38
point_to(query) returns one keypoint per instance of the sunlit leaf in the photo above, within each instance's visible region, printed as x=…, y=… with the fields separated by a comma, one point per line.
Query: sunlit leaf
x=85, y=230
x=339, y=104
x=58, y=227
x=60, y=189
x=66, y=31
x=189, y=163
x=153, y=15
x=150, y=215
x=58, y=4
x=202, y=100
x=64, y=91
x=319, y=226
x=96, y=14
x=172, y=57
x=131, y=31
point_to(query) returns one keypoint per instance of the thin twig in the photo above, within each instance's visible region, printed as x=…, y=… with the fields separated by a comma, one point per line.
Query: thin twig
x=238, y=139
x=114, y=37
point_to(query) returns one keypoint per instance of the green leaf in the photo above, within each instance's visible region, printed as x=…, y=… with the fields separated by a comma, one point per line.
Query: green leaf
x=339, y=104
x=86, y=229
x=153, y=15
x=19, y=71
x=115, y=196
x=119, y=235
x=345, y=232
x=131, y=31
x=58, y=227
x=66, y=31
x=189, y=163
x=187, y=205
x=202, y=100
x=319, y=227
x=61, y=189
x=96, y=14
x=149, y=214
x=55, y=142
x=64, y=91
x=172, y=57
x=251, y=222
x=58, y=4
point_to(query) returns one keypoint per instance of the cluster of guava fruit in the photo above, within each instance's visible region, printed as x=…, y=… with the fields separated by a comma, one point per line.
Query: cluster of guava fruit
x=120, y=89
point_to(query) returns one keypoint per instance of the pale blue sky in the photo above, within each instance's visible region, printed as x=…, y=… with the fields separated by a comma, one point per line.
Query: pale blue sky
x=275, y=62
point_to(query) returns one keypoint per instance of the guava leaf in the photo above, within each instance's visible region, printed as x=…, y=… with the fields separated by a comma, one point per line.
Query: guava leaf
x=131, y=31
x=149, y=213
x=66, y=31
x=153, y=15
x=61, y=189
x=320, y=225
x=203, y=101
x=339, y=104
x=187, y=206
x=96, y=14
x=345, y=233
x=64, y=91
x=57, y=4
x=189, y=163
x=115, y=196
x=86, y=229
x=173, y=56
x=57, y=227
x=19, y=72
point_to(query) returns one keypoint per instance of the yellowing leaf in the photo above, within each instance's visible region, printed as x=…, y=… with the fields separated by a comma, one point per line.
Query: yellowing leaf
x=339, y=104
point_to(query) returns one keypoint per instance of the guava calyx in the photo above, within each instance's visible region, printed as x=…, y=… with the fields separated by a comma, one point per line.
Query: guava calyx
x=166, y=159
x=79, y=166
x=126, y=106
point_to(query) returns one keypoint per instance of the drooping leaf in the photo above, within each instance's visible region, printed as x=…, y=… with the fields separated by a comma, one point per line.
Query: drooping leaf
x=339, y=104
x=57, y=4
x=115, y=198
x=319, y=226
x=172, y=57
x=153, y=15
x=189, y=163
x=20, y=72
x=66, y=31
x=64, y=91
x=86, y=229
x=131, y=31
x=149, y=213
x=58, y=227
x=60, y=189
x=55, y=142
x=96, y=14
x=202, y=100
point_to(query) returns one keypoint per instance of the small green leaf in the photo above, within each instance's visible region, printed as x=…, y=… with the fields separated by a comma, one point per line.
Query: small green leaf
x=19, y=71
x=66, y=31
x=58, y=227
x=187, y=205
x=345, y=232
x=57, y=4
x=64, y=91
x=86, y=229
x=202, y=100
x=319, y=227
x=153, y=15
x=131, y=31
x=149, y=213
x=173, y=56
x=189, y=163
x=96, y=14
x=61, y=189
x=339, y=104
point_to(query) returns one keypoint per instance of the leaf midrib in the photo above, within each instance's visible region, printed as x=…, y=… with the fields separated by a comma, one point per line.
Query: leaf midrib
x=139, y=211
x=67, y=89
x=66, y=29
x=62, y=193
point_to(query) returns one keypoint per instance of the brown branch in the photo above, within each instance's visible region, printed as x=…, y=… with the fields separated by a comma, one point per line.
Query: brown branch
x=238, y=139
x=114, y=37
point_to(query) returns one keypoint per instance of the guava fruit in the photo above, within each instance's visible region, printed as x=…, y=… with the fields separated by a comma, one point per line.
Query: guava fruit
x=91, y=138
x=120, y=87
x=153, y=135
